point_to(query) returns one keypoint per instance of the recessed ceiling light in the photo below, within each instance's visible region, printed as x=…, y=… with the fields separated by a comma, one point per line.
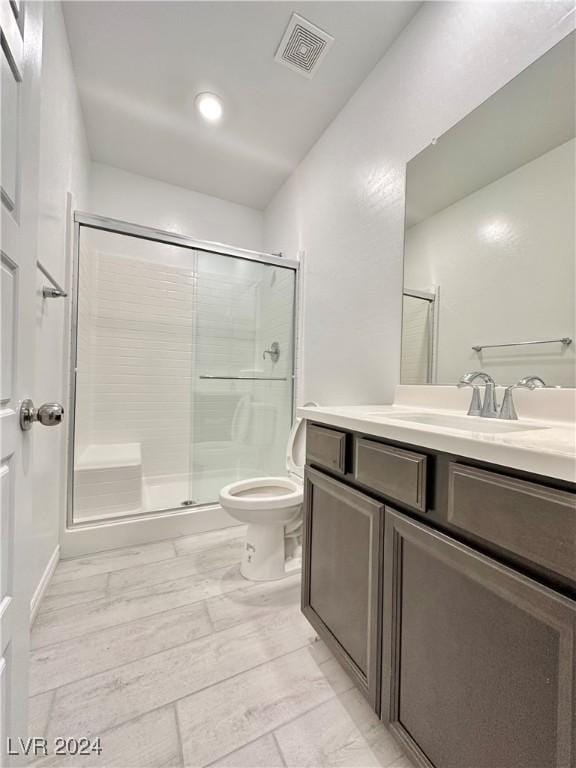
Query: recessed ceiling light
x=210, y=106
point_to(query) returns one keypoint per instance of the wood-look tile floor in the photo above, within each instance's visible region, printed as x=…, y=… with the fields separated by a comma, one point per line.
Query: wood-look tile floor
x=168, y=655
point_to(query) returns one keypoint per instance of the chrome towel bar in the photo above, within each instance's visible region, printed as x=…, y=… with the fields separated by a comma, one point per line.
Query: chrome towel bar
x=55, y=291
x=244, y=378
x=566, y=340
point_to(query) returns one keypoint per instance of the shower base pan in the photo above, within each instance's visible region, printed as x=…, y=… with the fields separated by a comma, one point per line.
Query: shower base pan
x=109, y=484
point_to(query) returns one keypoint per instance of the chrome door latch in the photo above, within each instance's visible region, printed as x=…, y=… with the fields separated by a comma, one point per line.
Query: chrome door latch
x=49, y=414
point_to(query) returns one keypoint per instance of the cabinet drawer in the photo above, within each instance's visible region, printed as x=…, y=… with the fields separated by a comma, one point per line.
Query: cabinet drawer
x=326, y=447
x=399, y=474
x=526, y=518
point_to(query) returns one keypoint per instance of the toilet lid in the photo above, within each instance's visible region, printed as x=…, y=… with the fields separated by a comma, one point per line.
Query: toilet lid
x=296, y=448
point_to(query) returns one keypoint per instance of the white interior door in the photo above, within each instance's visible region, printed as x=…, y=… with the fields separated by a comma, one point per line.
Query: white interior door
x=21, y=61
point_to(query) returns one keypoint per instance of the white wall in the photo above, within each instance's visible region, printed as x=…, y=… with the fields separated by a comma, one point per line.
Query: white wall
x=64, y=166
x=503, y=258
x=344, y=204
x=141, y=200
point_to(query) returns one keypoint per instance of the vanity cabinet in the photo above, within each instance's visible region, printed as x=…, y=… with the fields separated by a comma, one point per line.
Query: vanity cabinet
x=446, y=587
x=341, y=595
x=479, y=665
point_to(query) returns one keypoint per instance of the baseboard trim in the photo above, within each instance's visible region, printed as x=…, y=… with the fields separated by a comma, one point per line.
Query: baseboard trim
x=112, y=534
x=43, y=583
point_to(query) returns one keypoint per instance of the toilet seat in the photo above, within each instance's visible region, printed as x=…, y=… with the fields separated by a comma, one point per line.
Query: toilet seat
x=260, y=493
x=271, y=493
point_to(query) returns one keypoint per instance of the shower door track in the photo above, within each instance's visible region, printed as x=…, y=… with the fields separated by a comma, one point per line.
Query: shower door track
x=117, y=226
x=173, y=238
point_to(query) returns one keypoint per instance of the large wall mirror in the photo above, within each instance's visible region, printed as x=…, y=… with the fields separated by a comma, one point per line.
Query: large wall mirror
x=489, y=262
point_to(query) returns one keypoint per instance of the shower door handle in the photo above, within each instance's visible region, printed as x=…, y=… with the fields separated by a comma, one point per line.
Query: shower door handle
x=49, y=414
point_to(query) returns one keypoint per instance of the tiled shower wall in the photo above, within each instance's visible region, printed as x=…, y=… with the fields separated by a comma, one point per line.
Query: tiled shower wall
x=416, y=331
x=137, y=369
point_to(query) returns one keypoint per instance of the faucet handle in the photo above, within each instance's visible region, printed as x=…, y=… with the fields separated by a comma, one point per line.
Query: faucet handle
x=475, y=408
x=531, y=382
x=508, y=410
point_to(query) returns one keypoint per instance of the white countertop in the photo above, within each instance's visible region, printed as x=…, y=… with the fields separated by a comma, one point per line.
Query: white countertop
x=549, y=450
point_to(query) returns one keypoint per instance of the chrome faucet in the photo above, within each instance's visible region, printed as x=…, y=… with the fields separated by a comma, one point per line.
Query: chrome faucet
x=508, y=410
x=489, y=408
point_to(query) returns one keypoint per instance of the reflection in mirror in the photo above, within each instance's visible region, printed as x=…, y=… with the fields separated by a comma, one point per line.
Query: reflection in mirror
x=490, y=237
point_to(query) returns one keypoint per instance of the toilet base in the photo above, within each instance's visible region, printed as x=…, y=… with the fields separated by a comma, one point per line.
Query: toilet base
x=264, y=557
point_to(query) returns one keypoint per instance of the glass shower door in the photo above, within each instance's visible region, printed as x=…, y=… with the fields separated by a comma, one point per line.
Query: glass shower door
x=243, y=390
x=178, y=390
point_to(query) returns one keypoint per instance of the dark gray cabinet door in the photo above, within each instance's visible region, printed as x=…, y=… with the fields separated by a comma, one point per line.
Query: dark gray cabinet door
x=479, y=661
x=341, y=576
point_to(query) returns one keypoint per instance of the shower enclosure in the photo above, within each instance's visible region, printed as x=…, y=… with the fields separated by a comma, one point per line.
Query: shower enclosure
x=419, y=332
x=183, y=376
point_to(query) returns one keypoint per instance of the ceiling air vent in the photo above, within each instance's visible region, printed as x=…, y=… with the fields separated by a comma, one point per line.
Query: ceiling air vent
x=303, y=46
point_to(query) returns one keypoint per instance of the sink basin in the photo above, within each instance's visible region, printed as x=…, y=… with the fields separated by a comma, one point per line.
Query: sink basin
x=465, y=423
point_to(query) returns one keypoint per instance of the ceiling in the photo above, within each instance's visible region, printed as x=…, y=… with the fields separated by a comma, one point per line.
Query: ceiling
x=534, y=113
x=139, y=66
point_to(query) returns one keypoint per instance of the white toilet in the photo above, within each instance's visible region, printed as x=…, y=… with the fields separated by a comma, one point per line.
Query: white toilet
x=272, y=507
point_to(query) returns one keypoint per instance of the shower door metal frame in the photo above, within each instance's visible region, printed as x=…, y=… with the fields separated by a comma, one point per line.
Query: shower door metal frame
x=117, y=226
